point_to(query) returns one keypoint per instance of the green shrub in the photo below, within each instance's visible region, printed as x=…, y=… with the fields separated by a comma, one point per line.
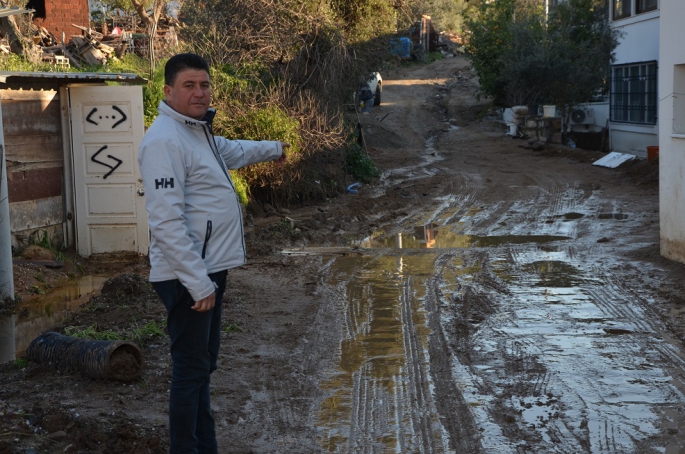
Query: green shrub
x=90, y=332
x=43, y=240
x=268, y=123
x=241, y=187
x=434, y=56
x=360, y=165
x=524, y=55
x=20, y=363
x=14, y=62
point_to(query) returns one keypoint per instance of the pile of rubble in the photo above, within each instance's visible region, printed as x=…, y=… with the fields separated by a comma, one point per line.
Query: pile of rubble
x=96, y=47
x=85, y=49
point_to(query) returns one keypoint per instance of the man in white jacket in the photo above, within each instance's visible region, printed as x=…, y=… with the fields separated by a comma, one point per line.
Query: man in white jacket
x=196, y=236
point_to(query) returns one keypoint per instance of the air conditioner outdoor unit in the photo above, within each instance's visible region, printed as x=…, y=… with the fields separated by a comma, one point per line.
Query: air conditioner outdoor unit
x=582, y=116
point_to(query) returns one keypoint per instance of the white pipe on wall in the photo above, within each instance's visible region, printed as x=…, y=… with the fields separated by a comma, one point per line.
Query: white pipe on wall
x=6, y=273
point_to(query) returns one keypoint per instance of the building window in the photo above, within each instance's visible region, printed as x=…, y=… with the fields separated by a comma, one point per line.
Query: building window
x=622, y=8
x=643, y=6
x=633, y=93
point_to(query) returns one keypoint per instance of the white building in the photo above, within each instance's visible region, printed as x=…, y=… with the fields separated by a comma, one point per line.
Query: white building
x=631, y=109
x=672, y=129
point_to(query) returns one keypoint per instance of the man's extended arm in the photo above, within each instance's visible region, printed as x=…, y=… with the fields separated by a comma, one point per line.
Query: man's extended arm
x=241, y=153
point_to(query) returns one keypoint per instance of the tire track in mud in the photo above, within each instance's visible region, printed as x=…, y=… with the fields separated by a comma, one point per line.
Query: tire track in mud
x=614, y=380
x=529, y=378
x=390, y=408
x=454, y=411
x=533, y=344
x=419, y=394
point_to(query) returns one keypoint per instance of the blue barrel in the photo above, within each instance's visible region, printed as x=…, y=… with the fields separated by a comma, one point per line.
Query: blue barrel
x=400, y=47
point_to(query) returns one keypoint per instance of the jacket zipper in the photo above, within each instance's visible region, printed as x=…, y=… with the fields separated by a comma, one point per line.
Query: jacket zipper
x=212, y=145
x=208, y=234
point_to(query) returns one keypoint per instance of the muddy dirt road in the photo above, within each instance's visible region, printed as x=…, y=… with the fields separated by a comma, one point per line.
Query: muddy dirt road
x=481, y=297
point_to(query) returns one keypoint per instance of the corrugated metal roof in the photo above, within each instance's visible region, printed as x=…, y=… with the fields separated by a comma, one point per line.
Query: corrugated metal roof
x=12, y=10
x=73, y=77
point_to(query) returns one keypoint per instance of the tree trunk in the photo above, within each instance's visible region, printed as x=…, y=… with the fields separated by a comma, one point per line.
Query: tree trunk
x=157, y=8
x=142, y=13
x=19, y=44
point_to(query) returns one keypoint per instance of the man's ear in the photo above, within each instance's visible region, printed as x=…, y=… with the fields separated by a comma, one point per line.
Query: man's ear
x=167, y=90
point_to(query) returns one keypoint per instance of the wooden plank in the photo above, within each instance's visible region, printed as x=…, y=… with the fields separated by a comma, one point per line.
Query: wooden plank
x=30, y=117
x=71, y=58
x=89, y=31
x=93, y=56
x=34, y=148
x=34, y=214
x=22, y=95
x=34, y=184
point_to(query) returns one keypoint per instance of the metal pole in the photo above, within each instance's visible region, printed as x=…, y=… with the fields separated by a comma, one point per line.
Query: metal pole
x=6, y=274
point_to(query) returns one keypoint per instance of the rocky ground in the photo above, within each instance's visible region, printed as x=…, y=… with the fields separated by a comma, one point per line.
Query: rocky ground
x=432, y=137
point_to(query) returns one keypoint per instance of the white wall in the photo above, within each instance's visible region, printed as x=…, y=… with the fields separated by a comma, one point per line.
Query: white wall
x=640, y=40
x=639, y=43
x=672, y=145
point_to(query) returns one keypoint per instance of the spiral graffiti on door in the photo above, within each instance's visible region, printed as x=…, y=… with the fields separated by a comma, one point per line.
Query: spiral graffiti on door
x=112, y=168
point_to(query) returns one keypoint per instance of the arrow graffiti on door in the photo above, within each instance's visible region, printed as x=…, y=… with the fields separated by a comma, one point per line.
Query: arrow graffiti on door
x=113, y=168
x=118, y=119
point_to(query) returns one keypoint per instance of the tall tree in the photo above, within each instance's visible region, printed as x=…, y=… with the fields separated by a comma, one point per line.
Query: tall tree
x=526, y=55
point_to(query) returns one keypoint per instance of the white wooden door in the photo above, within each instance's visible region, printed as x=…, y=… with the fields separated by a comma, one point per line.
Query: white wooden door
x=106, y=130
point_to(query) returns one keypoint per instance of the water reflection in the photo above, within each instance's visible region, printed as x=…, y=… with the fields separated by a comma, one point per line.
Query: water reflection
x=562, y=342
x=380, y=396
x=433, y=236
x=42, y=313
x=555, y=273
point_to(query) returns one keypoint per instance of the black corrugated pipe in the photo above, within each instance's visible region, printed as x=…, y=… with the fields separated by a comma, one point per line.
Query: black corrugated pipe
x=113, y=360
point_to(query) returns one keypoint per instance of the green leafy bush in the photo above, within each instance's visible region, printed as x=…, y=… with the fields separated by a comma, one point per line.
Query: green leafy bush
x=241, y=187
x=360, y=165
x=14, y=62
x=524, y=55
x=447, y=15
x=268, y=123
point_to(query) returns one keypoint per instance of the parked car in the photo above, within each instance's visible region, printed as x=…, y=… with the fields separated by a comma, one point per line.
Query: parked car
x=375, y=83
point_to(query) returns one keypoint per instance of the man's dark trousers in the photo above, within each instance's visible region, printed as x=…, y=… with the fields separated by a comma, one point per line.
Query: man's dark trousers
x=195, y=338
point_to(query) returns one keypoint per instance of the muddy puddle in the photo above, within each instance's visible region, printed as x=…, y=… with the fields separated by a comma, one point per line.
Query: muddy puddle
x=380, y=397
x=41, y=313
x=544, y=348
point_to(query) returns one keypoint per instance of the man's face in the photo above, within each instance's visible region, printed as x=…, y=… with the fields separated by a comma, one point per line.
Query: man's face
x=190, y=94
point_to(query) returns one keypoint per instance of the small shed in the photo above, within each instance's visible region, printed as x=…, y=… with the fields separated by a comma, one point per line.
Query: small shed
x=68, y=149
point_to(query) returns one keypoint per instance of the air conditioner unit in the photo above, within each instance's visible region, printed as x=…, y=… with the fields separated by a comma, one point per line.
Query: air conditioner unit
x=582, y=116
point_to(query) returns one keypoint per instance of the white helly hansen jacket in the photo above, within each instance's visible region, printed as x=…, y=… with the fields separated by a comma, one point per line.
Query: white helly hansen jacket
x=193, y=210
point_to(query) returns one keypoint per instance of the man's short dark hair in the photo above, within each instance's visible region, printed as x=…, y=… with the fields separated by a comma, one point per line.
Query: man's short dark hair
x=179, y=62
